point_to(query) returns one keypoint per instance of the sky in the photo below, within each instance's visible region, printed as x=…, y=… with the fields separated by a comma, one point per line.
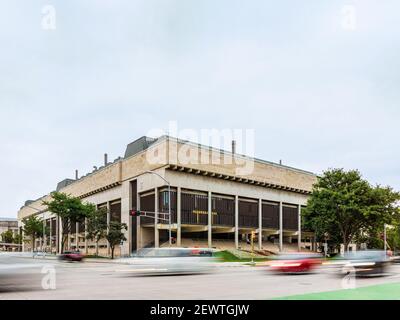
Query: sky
x=316, y=80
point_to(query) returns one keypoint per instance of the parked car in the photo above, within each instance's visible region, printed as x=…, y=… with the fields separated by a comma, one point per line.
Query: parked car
x=169, y=261
x=71, y=256
x=296, y=263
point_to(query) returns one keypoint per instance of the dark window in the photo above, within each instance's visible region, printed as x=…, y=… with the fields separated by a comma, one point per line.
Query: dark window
x=163, y=206
x=194, y=209
x=73, y=227
x=270, y=216
x=223, y=211
x=248, y=214
x=115, y=211
x=53, y=227
x=290, y=218
x=147, y=204
x=81, y=228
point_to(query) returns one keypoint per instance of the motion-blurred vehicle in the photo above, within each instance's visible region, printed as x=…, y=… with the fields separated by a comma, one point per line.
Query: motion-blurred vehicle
x=364, y=263
x=296, y=263
x=71, y=256
x=17, y=273
x=169, y=261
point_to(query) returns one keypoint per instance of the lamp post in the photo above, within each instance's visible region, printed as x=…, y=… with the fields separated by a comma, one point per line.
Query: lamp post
x=169, y=203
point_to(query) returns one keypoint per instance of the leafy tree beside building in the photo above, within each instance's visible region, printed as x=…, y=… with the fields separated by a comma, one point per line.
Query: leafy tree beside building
x=345, y=208
x=70, y=210
x=115, y=235
x=33, y=228
x=97, y=226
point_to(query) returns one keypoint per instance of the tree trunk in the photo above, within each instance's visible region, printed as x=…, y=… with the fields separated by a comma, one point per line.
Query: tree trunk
x=345, y=244
x=112, y=252
x=97, y=248
x=33, y=243
x=63, y=240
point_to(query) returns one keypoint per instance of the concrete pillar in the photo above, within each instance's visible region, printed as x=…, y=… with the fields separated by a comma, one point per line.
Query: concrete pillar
x=156, y=209
x=59, y=234
x=260, y=224
x=138, y=231
x=44, y=238
x=178, y=217
x=77, y=236
x=51, y=235
x=209, y=219
x=299, y=228
x=236, y=222
x=86, y=240
x=280, y=226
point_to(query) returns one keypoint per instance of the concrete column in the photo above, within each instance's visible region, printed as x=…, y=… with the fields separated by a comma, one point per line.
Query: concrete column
x=236, y=222
x=280, y=226
x=260, y=224
x=108, y=224
x=299, y=228
x=77, y=235
x=209, y=219
x=138, y=231
x=51, y=235
x=86, y=240
x=69, y=240
x=156, y=209
x=178, y=217
x=59, y=234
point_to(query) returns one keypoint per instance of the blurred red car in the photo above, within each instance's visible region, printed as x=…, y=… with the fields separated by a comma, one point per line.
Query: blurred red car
x=296, y=263
x=71, y=256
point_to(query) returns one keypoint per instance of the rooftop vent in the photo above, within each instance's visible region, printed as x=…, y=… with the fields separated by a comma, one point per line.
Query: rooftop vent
x=138, y=145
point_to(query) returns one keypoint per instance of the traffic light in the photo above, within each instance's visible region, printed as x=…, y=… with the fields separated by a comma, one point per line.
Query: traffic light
x=134, y=213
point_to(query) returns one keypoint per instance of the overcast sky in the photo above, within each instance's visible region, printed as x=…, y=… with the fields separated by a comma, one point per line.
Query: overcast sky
x=318, y=81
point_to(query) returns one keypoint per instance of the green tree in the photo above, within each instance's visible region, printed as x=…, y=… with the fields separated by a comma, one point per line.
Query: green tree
x=33, y=228
x=7, y=236
x=17, y=238
x=70, y=210
x=346, y=207
x=97, y=226
x=115, y=235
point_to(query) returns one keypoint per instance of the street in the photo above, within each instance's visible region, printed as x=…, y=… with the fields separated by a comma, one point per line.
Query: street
x=96, y=280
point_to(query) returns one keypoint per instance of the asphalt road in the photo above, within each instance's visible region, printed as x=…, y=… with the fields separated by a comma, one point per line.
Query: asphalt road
x=91, y=280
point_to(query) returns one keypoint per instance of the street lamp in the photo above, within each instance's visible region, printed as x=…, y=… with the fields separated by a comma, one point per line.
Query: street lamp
x=169, y=203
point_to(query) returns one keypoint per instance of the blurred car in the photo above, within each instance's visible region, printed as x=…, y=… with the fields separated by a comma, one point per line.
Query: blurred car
x=71, y=256
x=161, y=261
x=17, y=273
x=295, y=263
x=364, y=263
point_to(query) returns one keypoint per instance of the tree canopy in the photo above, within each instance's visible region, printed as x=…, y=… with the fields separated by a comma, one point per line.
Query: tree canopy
x=97, y=226
x=115, y=235
x=70, y=210
x=33, y=228
x=7, y=236
x=345, y=207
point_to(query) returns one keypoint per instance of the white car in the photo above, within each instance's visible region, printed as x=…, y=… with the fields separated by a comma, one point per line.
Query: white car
x=158, y=261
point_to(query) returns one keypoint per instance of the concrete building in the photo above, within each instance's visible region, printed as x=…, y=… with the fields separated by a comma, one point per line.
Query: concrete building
x=218, y=198
x=5, y=225
x=8, y=224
